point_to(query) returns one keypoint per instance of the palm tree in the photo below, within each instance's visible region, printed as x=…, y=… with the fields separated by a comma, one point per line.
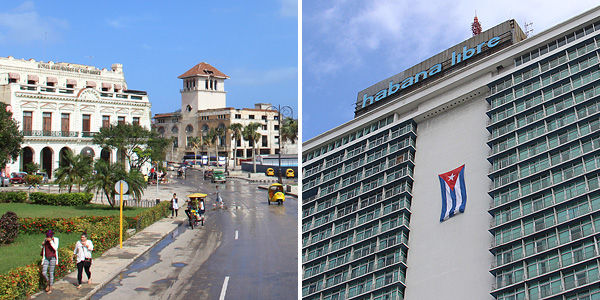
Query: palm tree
x=236, y=133
x=75, y=170
x=289, y=130
x=250, y=134
x=107, y=174
x=195, y=142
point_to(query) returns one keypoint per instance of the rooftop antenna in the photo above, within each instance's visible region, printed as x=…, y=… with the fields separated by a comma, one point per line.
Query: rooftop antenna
x=90, y=59
x=528, y=28
x=476, y=26
x=45, y=38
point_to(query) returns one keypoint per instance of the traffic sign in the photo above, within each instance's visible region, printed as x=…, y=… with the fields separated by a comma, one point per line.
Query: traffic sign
x=118, y=186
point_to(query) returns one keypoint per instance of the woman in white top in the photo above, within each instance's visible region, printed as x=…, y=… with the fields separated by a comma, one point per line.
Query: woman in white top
x=174, y=205
x=83, y=252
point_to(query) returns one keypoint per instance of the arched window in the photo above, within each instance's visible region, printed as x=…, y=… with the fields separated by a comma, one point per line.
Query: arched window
x=189, y=108
x=205, y=130
x=189, y=129
x=174, y=130
x=161, y=131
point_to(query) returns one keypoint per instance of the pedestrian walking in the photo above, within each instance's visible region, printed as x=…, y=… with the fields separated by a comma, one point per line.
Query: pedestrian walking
x=174, y=205
x=83, y=254
x=219, y=199
x=49, y=259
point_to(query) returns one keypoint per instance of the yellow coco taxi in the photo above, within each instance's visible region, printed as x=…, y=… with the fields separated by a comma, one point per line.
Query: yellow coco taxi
x=270, y=172
x=289, y=173
x=276, y=194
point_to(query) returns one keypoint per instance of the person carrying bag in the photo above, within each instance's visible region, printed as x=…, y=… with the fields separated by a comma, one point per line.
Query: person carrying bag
x=83, y=255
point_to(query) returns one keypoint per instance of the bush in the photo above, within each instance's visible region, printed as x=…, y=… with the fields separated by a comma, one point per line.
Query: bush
x=33, y=179
x=9, y=227
x=149, y=216
x=13, y=197
x=20, y=282
x=67, y=199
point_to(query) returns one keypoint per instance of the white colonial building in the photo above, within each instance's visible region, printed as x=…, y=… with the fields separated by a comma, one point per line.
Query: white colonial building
x=203, y=107
x=60, y=106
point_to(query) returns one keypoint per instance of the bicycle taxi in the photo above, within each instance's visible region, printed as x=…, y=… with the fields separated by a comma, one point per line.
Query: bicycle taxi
x=276, y=194
x=196, y=208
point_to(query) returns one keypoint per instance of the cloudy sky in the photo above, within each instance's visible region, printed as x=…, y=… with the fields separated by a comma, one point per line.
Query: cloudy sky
x=253, y=42
x=348, y=46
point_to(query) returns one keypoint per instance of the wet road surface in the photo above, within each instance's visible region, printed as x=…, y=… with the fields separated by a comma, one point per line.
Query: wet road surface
x=247, y=250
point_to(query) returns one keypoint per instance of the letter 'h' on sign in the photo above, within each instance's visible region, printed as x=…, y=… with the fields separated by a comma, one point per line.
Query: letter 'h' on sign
x=454, y=192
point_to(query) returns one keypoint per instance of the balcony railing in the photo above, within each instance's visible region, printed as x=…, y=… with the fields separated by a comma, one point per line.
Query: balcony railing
x=50, y=133
x=61, y=90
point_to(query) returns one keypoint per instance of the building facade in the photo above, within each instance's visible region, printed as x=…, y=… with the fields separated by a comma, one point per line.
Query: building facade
x=521, y=114
x=203, y=107
x=60, y=106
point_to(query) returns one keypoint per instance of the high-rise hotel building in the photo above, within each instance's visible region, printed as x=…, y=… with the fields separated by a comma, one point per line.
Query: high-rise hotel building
x=522, y=114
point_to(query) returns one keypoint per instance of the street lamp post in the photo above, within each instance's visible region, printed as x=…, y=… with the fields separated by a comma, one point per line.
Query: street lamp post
x=284, y=111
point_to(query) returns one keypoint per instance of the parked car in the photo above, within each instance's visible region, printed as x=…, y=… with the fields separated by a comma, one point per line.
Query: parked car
x=270, y=172
x=44, y=176
x=219, y=176
x=17, y=177
x=289, y=173
x=208, y=174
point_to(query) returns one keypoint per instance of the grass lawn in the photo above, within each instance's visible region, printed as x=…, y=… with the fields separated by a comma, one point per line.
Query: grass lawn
x=26, y=249
x=24, y=210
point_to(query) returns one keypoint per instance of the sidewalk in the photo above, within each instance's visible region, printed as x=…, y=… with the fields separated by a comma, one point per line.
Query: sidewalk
x=112, y=262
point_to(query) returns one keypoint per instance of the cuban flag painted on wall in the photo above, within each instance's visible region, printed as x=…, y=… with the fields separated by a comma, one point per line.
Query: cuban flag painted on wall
x=454, y=192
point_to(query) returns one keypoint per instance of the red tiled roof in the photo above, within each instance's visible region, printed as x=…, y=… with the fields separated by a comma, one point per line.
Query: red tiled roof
x=203, y=69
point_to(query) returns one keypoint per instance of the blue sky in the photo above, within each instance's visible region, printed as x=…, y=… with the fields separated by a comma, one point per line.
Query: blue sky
x=348, y=46
x=254, y=42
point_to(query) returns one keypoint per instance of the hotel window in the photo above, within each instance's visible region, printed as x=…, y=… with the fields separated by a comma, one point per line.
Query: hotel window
x=47, y=122
x=264, y=127
x=276, y=127
x=85, y=124
x=251, y=117
x=27, y=120
x=136, y=121
x=121, y=120
x=265, y=141
x=105, y=121
x=264, y=118
x=64, y=122
x=238, y=116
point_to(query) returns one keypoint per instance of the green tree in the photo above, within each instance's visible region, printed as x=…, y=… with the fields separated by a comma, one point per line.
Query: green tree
x=107, y=175
x=10, y=137
x=75, y=170
x=289, y=130
x=250, y=134
x=138, y=144
x=214, y=134
x=235, y=130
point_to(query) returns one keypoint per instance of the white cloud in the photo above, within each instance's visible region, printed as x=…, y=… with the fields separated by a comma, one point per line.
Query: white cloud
x=121, y=22
x=401, y=33
x=289, y=8
x=23, y=25
x=250, y=77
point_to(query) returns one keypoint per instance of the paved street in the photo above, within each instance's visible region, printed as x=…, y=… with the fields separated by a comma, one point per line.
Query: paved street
x=247, y=250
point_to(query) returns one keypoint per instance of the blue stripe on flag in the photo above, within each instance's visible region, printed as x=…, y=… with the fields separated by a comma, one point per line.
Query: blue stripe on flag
x=443, y=184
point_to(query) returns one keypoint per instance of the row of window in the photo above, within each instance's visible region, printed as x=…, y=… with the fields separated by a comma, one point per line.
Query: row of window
x=557, y=43
x=373, y=282
x=356, y=135
x=580, y=59
x=65, y=121
x=577, y=167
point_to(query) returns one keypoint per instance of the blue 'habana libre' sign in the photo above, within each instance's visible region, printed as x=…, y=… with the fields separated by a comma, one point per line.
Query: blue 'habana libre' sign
x=456, y=58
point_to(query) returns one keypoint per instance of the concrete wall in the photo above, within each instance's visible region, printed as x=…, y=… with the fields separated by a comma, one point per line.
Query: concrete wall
x=450, y=259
